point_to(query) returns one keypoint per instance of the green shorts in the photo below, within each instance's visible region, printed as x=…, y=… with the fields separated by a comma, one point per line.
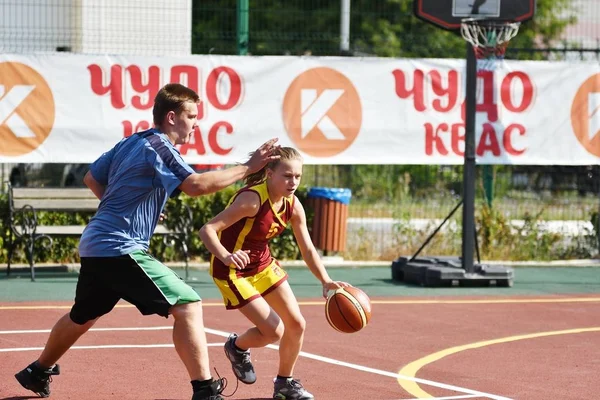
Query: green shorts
x=138, y=278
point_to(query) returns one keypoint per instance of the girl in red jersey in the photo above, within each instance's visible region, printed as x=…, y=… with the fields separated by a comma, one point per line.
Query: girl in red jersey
x=252, y=281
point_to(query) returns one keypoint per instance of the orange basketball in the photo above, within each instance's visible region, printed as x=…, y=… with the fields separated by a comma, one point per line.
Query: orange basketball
x=348, y=309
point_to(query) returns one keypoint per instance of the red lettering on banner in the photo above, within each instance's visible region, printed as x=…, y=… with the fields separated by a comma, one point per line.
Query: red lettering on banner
x=235, y=84
x=150, y=87
x=486, y=104
x=437, y=144
x=196, y=143
x=212, y=137
x=444, y=93
x=507, y=139
x=417, y=89
x=148, y=83
x=506, y=92
x=488, y=141
x=446, y=96
x=450, y=91
x=186, y=75
x=458, y=138
x=433, y=139
x=114, y=86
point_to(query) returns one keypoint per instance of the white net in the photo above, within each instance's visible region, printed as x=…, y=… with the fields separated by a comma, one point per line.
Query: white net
x=489, y=37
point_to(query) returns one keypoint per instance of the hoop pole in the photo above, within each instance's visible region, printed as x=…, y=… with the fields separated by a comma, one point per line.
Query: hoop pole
x=468, y=241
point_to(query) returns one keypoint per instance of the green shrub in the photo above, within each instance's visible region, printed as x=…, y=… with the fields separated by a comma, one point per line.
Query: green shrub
x=497, y=238
x=203, y=209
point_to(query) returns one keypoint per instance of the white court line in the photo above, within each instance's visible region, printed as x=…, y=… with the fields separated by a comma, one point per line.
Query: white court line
x=394, y=375
x=328, y=360
x=141, y=328
x=106, y=346
x=463, y=396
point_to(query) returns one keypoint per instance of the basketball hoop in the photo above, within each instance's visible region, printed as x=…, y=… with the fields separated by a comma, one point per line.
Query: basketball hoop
x=489, y=37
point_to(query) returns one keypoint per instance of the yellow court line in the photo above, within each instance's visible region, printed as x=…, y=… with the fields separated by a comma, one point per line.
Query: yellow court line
x=493, y=301
x=432, y=301
x=411, y=369
x=473, y=301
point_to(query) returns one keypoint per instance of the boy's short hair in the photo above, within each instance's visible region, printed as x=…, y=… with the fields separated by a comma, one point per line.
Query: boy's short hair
x=171, y=98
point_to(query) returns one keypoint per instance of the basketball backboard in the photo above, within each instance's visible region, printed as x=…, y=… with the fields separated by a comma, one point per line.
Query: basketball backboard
x=447, y=14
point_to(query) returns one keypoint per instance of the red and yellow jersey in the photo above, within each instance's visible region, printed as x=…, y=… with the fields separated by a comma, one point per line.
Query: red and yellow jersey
x=253, y=233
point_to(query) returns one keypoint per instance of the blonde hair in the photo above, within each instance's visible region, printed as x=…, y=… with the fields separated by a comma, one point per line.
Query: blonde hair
x=285, y=153
x=171, y=97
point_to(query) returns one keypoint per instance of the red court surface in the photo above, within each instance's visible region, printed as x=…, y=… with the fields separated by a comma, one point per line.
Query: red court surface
x=534, y=348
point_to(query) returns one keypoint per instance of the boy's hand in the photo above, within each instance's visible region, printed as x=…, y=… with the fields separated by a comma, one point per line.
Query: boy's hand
x=262, y=156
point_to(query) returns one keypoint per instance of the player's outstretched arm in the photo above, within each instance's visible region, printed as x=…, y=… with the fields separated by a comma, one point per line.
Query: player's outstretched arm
x=309, y=252
x=246, y=204
x=213, y=181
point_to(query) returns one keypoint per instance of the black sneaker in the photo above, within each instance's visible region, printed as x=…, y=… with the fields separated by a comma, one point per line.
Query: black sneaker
x=212, y=392
x=290, y=389
x=240, y=361
x=37, y=379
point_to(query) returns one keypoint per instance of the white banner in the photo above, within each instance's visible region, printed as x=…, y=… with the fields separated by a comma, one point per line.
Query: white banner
x=70, y=108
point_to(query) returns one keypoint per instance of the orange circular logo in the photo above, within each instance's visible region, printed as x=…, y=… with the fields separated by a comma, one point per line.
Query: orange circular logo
x=585, y=114
x=322, y=112
x=26, y=109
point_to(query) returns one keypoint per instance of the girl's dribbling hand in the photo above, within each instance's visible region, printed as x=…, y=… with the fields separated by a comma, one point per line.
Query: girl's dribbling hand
x=239, y=259
x=332, y=285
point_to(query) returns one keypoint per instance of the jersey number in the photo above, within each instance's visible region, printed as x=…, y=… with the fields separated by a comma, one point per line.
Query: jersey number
x=273, y=230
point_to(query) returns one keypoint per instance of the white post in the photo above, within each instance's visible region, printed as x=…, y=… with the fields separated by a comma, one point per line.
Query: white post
x=345, y=26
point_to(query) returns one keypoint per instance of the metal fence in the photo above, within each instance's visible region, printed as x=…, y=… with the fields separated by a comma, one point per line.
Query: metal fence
x=269, y=27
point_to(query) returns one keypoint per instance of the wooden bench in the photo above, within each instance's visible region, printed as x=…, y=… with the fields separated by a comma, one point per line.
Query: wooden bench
x=25, y=203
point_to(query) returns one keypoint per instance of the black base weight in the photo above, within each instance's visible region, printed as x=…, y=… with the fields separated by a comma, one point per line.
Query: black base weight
x=448, y=271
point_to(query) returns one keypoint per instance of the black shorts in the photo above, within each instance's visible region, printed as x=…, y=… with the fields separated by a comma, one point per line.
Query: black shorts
x=137, y=278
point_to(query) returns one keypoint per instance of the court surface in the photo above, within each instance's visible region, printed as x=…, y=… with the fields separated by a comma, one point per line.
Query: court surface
x=537, y=340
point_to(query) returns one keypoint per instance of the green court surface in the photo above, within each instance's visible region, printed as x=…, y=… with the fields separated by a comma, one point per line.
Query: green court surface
x=375, y=281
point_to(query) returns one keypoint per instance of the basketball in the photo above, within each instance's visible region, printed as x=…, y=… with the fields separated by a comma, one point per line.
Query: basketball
x=348, y=309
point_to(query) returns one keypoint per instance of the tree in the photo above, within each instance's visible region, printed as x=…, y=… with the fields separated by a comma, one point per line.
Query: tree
x=551, y=19
x=385, y=28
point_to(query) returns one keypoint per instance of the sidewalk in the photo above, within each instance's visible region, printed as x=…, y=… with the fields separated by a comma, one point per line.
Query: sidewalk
x=329, y=262
x=333, y=262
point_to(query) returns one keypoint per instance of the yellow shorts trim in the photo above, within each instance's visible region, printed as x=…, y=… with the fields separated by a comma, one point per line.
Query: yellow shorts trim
x=239, y=291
